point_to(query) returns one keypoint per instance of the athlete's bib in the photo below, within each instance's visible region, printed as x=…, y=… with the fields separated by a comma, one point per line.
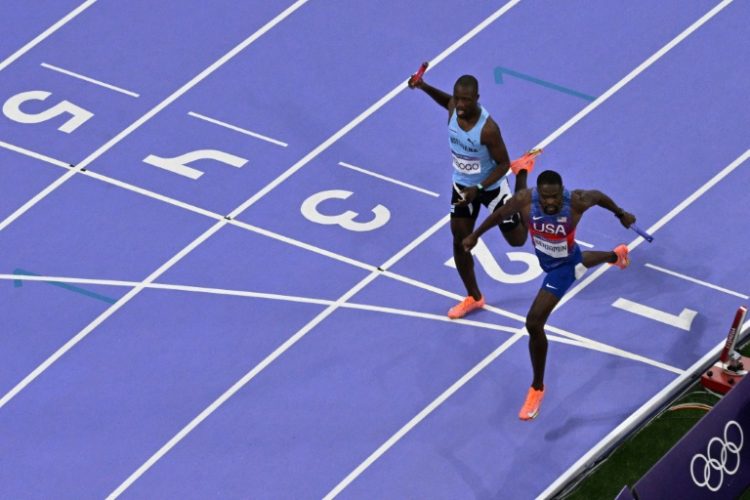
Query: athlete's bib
x=555, y=249
x=466, y=165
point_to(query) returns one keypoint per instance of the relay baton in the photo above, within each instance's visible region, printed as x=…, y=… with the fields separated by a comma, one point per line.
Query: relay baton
x=734, y=331
x=642, y=233
x=416, y=77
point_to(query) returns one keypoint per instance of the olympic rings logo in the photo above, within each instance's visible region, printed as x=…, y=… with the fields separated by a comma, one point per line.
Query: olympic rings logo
x=714, y=468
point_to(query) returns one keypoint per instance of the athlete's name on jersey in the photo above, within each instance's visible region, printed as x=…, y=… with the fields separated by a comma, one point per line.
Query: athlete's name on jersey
x=549, y=228
x=556, y=250
x=457, y=142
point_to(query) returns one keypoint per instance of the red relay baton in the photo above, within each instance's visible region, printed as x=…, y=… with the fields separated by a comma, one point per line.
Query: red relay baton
x=734, y=331
x=416, y=77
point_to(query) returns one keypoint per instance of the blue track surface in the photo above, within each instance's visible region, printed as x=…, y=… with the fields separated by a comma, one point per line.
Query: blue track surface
x=155, y=349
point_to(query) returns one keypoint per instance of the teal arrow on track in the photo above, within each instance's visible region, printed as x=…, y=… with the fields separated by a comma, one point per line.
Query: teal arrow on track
x=19, y=282
x=500, y=71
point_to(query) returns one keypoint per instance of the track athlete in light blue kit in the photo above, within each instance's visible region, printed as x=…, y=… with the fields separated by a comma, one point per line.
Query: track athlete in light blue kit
x=552, y=213
x=480, y=177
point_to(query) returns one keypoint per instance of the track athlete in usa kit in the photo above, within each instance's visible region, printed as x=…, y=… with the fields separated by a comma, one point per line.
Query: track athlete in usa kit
x=552, y=213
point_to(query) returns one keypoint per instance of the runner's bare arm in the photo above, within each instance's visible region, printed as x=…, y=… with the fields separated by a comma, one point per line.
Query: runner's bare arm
x=437, y=95
x=582, y=200
x=493, y=139
x=518, y=203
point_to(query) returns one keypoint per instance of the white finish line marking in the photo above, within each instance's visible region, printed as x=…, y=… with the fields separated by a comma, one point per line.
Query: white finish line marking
x=237, y=129
x=697, y=281
x=388, y=179
x=89, y=79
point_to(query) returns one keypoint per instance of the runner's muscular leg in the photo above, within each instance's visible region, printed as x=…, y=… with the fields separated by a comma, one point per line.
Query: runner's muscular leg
x=521, y=178
x=592, y=258
x=535, y=321
x=461, y=228
x=516, y=237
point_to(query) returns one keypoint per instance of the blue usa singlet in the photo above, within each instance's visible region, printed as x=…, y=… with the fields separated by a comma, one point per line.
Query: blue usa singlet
x=472, y=162
x=553, y=236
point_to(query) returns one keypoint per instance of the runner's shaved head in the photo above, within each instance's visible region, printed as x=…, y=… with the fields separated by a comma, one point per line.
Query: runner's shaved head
x=549, y=177
x=468, y=81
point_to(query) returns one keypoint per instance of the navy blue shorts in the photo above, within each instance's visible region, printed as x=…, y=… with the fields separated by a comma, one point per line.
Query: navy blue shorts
x=558, y=280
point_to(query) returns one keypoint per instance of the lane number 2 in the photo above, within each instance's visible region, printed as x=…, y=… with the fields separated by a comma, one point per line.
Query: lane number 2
x=493, y=269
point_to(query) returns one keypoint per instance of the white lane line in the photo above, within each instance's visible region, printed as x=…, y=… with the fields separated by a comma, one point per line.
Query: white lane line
x=46, y=33
x=34, y=154
x=89, y=79
x=37, y=198
x=391, y=441
x=438, y=317
x=637, y=71
x=303, y=245
x=697, y=281
x=237, y=129
x=661, y=222
x=369, y=111
x=389, y=179
x=700, y=191
x=584, y=244
x=152, y=194
x=154, y=111
x=262, y=365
